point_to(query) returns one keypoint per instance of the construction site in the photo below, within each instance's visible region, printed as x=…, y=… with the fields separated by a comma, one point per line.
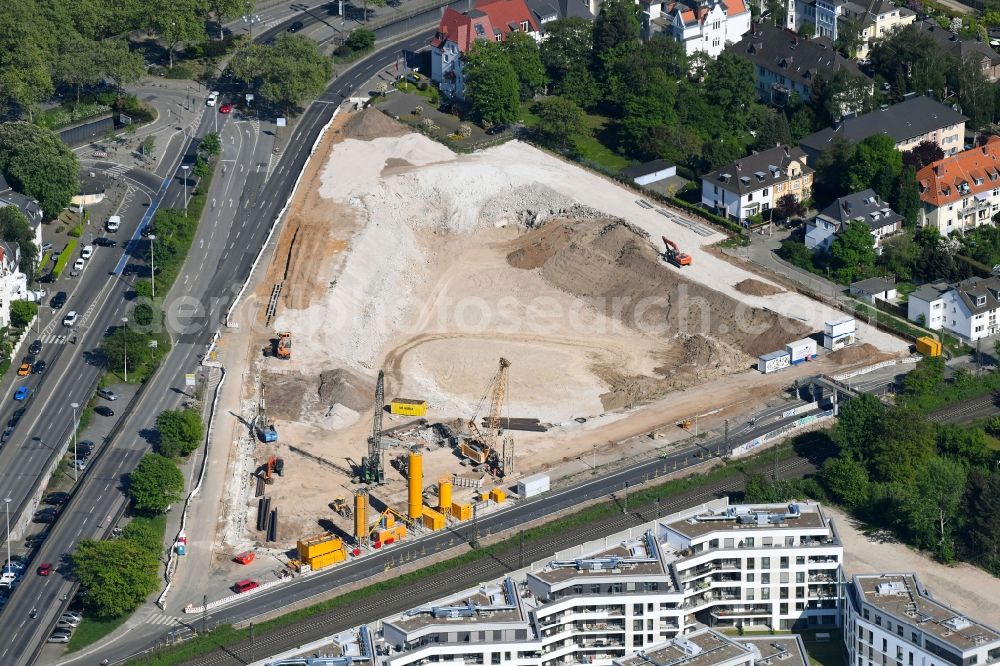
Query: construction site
x=434, y=330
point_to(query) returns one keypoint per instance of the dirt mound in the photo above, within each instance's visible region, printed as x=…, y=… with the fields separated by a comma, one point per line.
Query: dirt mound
x=613, y=266
x=346, y=388
x=758, y=288
x=284, y=394
x=858, y=354
x=372, y=124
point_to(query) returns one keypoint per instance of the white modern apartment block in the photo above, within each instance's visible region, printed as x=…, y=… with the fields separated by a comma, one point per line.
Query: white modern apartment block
x=717, y=565
x=704, y=26
x=13, y=283
x=969, y=309
x=926, y=305
x=892, y=620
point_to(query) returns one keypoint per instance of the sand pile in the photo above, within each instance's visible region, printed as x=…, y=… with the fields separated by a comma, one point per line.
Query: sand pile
x=372, y=124
x=858, y=354
x=347, y=388
x=331, y=399
x=758, y=288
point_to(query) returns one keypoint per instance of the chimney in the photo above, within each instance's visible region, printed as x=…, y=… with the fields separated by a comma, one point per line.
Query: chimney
x=787, y=153
x=739, y=166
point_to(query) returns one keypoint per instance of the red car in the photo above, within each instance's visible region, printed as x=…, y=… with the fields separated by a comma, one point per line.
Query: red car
x=226, y=108
x=245, y=586
x=45, y=569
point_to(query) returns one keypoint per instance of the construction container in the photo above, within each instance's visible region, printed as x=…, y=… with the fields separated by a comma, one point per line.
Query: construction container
x=432, y=520
x=498, y=495
x=536, y=484
x=928, y=346
x=408, y=407
x=461, y=511
x=444, y=493
x=774, y=361
x=416, y=485
x=396, y=533
x=327, y=559
x=318, y=545
x=839, y=342
x=801, y=350
x=839, y=327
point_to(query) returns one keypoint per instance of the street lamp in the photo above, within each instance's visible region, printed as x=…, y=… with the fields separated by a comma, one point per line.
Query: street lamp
x=75, y=406
x=250, y=19
x=125, y=342
x=152, y=264
x=6, y=505
x=185, y=168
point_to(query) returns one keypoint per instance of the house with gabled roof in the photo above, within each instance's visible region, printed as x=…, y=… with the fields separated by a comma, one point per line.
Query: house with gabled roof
x=704, y=26
x=752, y=185
x=961, y=191
x=492, y=20
x=865, y=206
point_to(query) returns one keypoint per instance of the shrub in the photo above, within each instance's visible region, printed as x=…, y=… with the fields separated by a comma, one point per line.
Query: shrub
x=22, y=312
x=418, y=111
x=427, y=122
x=180, y=71
x=342, y=51
x=64, y=258
x=465, y=130
x=422, y=84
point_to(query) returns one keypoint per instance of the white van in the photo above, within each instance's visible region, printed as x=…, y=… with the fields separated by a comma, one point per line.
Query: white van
x=114, y=223
x=213, y=97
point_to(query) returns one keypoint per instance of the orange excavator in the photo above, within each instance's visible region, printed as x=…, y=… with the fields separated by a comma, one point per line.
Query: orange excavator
x=283, y=349
x=673, y=254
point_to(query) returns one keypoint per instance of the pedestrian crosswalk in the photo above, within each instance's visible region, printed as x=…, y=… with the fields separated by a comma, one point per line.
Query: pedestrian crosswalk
x=53, y=338
x=117, y=170
x=158, y=617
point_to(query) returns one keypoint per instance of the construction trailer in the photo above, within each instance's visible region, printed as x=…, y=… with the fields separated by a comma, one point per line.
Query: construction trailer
x=774, y=361
x=673, y=254
x=283, y=345
x=321, y=550
x=533, y=485
x=373, y=465
x=488, y=446
x=839, y=333
x=801, y=350
x=408, y=407
x=928, y=346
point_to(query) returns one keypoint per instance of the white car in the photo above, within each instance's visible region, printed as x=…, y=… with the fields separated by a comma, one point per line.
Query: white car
x=58, y=637
x=70, y=318
x=114, y=223
x=70, y=615
x=213, y=97
x=87, y=251
x=79, y=264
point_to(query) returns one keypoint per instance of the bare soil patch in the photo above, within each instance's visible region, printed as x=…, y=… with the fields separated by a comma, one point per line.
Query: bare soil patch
x=859, y=354
x=757, y=288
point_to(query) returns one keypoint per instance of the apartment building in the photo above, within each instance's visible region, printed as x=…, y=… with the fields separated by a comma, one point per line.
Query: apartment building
x=891, y=619
x=925, y=305
x=865, y=206
x=715, y=565
x=704, y=26
x=878, y=19
x=916, y=119
x=828, y=18
x=969, y=309
x=752, y=185
x=962, y=191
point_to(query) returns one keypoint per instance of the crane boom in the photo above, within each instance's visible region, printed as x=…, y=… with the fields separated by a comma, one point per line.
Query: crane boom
x=374, y=471
x=482, y=447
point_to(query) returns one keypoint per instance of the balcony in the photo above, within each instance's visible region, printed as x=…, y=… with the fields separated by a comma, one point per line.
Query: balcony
x=745, y=611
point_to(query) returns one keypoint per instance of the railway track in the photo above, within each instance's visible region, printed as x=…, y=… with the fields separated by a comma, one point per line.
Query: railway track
x=969, y=410
x=469, y=575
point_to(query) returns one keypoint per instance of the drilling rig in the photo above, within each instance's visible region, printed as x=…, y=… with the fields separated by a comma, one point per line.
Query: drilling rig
x=372, y=467
x=482, y=446
x=265, y=428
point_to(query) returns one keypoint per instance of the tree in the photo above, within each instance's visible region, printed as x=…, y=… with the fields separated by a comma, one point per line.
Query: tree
x=981, y=534
x=857, y=423
x=774, y=132
x=25, y=57
x=875, y=164
x=122, y=66
x=289, y=71
x=155, y=484
x=833, y=172
x=22, y=312
x=849, y=38
x=926, y=377
x=142, y=359
x=567, y=47
x=922, y=154
x=116, y=575
x=200, y=169
x=852, y=252
x=365, y=3
x=932, y=507
x=976, y=94
x=179, y=22
x=913, y=59
x=360, y=40
x=899, y=255
x=14, y=228
x=80, y=63
x=907, y=201
x=847, y=480
x=229, y=9
x=787, y=208
x=580, y=86
x=616, y=25
x=210, y=144
x=731, y=85
x=491, y=84
x=37, y=163
x=559, y=120
x=180, y=432
x=901, y=447
x=523, y=55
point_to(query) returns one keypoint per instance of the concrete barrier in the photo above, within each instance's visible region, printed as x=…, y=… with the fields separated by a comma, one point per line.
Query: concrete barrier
x=233, y=597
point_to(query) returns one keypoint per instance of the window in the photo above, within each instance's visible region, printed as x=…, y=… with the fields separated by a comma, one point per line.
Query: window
x=765, y=562
x=765, y=579
x=524, y=26
x=765, y=593
x=784, y=562
x=750, y=577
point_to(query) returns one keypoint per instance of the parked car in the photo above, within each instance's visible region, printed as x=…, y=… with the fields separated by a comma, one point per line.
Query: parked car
x=15, y=418
x=78, y=266
x=80, y=465
x=46, y=246
x=104, y=410
x=22, y=393
x=87, y=251
x=57, y=499
x=59, y=636
x=66, y=625
x=7, y=434
x=245, y=586
x=35, y=348
x=58, y=300
x=107, y=394
x=45, y=569
x=70, y=318
x=71, y=615
x=84, y=445
x=46, y=518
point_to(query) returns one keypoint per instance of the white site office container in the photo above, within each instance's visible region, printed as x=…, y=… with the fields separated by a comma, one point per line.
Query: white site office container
x=839, y=327
x=839, y=342
x=774, y=361
x=536, y=484
x=801, y=350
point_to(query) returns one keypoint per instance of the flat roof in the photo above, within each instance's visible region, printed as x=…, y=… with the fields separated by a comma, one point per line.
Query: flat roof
x=740, y=518
x=489, y=604
x=776, y=650
x=602, y=563
x=702, y=648
x=902, y=596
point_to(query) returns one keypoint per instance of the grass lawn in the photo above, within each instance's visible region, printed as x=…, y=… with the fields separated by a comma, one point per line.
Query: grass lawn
x=90, y=631
x=904, y=289
x=431, y=93
x=588, y=145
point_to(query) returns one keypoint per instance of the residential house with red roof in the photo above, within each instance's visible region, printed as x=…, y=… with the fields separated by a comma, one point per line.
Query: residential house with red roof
x=704, y=26
x=962, y=191
x=490, y=20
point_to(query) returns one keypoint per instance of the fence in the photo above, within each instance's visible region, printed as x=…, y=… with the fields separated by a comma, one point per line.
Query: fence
x=87, y=131
x=784, y=430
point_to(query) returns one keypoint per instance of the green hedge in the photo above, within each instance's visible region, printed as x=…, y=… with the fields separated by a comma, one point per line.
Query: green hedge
x=64, y=258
